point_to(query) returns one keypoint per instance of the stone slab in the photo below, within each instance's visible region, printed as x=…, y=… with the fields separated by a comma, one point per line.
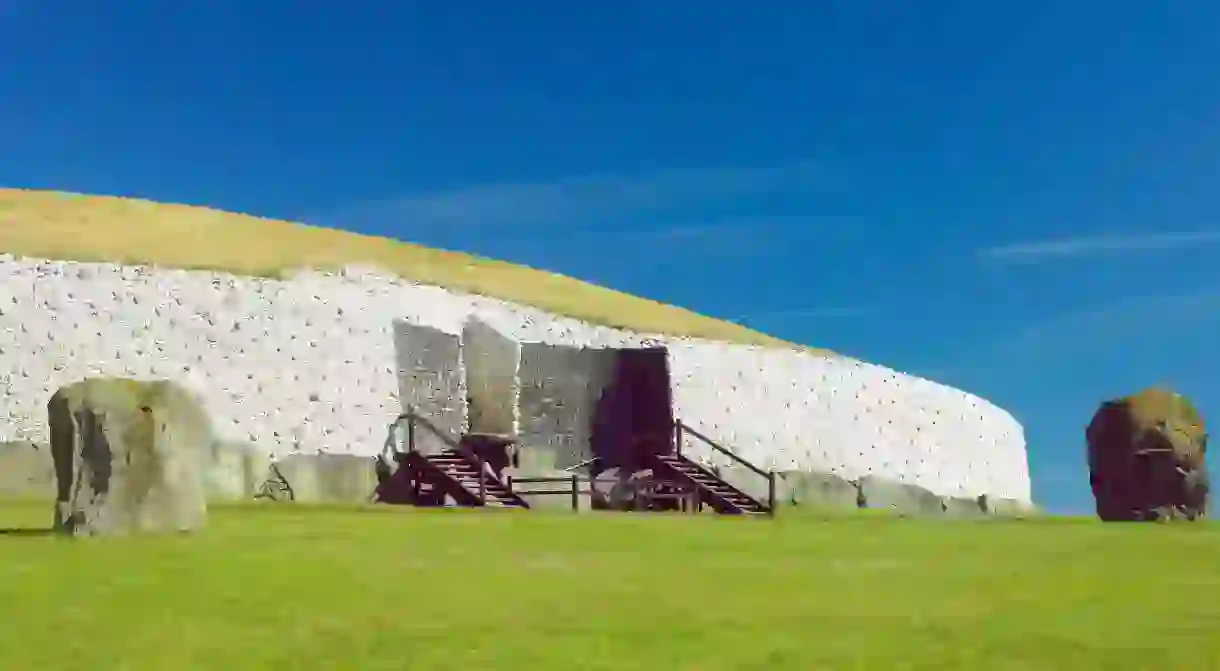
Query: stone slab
x=431, y=380
x=560, y=387
x=329, y=478
x=26, y=471
x=881, y=494
x=491, y=361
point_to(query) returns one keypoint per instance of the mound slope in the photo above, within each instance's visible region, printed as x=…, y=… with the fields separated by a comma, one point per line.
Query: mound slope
x=67, y=226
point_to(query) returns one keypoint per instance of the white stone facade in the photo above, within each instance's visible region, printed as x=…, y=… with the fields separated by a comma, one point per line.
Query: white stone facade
x=307, y=364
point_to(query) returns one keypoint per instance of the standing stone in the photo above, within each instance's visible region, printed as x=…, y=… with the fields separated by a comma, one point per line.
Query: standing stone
x=1146, y=458
x=129, y=457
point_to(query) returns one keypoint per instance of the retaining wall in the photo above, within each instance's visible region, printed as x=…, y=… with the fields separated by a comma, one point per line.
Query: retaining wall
x=316, y=363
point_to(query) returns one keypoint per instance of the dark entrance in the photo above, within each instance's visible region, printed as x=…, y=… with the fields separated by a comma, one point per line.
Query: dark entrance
x=635, y=413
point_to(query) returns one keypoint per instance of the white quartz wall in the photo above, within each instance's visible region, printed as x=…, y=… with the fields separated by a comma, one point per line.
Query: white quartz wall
x=790, y=411
x=308, y=365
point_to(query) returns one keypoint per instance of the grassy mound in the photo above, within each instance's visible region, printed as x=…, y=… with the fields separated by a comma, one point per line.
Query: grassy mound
x=65, y=226
x=300, y=587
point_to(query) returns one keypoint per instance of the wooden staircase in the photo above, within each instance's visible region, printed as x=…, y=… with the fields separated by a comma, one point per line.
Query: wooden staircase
x=468, y=471
x=427, y=479
x=459, y=476
x=713, y=491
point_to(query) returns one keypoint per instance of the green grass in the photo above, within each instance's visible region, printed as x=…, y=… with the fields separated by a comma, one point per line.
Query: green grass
x=300, y=587
x=75, y=227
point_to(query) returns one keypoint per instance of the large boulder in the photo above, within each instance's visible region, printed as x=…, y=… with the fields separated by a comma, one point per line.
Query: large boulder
x=129, y=457
x=1145, y=455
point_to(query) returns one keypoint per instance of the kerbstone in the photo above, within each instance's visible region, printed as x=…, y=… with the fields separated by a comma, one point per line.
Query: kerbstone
x=878, y=493
x=818, y=490
x=328, y=478
x=26, y=471
x=234, y=470
x=1002, y=507
x=962, y=508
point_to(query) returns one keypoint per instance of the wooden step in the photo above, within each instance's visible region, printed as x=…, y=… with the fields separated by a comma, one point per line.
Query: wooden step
x=715, y=492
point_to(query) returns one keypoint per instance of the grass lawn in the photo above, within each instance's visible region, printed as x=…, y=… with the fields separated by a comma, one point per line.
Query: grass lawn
x=298, y=587
x=45, y=224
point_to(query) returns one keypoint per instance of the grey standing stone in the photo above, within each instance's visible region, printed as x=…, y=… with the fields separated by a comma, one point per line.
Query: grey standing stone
x=129, y=457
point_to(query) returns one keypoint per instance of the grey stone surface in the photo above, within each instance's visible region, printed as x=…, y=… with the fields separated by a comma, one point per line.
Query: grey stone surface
x=491, y=360
x=26, y=471
x=560, y=387
x=881, y=494
x=962, y=508
x=430, y=379
x=818, y=490
x=1002, y=507
x=234, y=470
x=129, y=457
x=749, y=482
x=328, y=478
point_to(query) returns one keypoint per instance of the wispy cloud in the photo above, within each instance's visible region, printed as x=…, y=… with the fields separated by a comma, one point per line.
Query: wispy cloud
x=572, y=200
x=824, y=312
x=748, y=231
x=1090, y=327
x=1044, y=250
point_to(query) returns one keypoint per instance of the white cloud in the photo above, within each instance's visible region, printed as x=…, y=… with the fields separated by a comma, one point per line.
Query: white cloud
x=572, y=200
x=1043, y=250
x=1078, y=331
x=825, y=312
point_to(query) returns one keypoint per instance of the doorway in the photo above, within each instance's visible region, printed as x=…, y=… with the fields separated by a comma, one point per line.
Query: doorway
x=634, y=415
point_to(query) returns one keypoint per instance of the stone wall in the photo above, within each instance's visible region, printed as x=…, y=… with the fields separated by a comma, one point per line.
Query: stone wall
x=314, y=363
x=799, y=413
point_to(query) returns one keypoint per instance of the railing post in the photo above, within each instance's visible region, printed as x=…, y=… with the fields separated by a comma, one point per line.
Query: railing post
x=771, y=492
x=575, y=493
x=482, y=479
x=678, y=436
x=410, y=429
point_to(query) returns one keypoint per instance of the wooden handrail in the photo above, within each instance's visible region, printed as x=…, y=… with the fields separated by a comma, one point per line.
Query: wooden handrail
x=686, y=428
x=573, y=491
x=586, y=462
x=681, y=428
x=414, y=418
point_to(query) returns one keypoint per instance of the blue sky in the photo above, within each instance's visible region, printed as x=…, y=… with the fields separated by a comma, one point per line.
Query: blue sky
x=1019, y=199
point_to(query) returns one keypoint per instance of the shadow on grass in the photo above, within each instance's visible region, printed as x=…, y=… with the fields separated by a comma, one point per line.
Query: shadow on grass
x=26, y=532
